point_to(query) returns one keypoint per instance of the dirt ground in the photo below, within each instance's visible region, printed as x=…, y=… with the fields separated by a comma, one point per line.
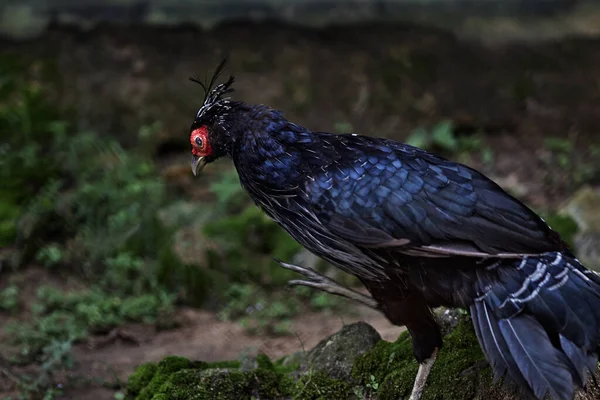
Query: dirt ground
x=103, y=362
x=383, y=81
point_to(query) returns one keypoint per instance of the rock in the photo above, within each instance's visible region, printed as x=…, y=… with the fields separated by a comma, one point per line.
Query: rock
x=353, y=363
x=584, y=208
x=176, y=378
x=218, y=383
x=248, y=363
x=448, y=318
x=335, y=355
x=588, y=249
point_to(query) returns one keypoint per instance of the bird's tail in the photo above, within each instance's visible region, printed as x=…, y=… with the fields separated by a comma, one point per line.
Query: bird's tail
x=538, y=321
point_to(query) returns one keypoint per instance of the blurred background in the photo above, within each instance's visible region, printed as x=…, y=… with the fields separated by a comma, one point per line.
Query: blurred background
x=112, y=254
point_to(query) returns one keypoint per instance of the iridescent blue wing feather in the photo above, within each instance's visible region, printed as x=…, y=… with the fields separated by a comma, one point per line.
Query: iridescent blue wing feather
x=378, y=193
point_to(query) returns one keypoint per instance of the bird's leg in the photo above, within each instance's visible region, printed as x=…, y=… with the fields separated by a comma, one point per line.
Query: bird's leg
x=321, y=282
x=422, y=374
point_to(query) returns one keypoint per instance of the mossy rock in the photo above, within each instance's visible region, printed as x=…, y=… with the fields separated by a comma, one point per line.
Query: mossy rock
x=458, y=373
x=385, y=371
x=148, y=378
x=336, y=354
x=177, y=378
x=584, y=209
x=319, y=386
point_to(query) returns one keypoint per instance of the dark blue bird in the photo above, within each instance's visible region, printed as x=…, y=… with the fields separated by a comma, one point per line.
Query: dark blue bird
x=419, y=232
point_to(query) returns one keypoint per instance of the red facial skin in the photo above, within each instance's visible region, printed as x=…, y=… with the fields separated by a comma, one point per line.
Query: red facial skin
x=202, y=134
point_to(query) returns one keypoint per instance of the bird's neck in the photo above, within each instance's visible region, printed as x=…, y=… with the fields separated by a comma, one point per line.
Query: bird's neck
x=269, y=151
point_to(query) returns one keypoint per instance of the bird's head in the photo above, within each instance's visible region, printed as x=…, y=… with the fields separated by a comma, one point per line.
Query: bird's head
x=241, y=131
x=212, y=130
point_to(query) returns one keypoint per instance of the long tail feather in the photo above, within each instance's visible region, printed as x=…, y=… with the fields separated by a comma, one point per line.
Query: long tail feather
x=543, y=366
x=494, y=345
x=538, y=321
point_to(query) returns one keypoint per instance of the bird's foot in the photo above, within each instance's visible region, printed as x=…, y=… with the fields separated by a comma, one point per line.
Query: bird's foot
x=321, y=282
x=422, y=374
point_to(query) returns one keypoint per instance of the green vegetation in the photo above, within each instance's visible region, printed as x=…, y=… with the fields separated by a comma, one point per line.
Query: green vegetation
x=179, y=378
x=575, y=169
x=85, y=208
x=90, y=214
x=88, y=232
x=442, y=139
x=387, y=371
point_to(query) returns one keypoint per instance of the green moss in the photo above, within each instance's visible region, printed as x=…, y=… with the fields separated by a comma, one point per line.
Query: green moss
x=393, y=366
x=211, y=384
x=270, y=384
x=224, y=364
x=218, y=383
x=164, y=370
x=263, y=361
x=140, y=379
x=461, y=350
x=161, y=397
x=564, y=225
x=289, y=363
x=387, y=371
x=317, y=385
x=178, y=378
x=383, y=359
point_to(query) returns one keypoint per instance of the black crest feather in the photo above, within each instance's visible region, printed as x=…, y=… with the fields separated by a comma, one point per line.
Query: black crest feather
x=212, y=94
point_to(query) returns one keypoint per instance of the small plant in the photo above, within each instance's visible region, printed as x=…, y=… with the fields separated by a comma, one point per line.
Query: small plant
x=442, y=135
x=576, y=169
x=372, y=384
x=562, y=150
x=9, y=298
x=50, y=255
x=359, y=392
x=442, y=139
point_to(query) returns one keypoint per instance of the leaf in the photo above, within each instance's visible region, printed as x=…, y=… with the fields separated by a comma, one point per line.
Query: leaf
x=419, y=138
x=443, y=136
x=558, y=145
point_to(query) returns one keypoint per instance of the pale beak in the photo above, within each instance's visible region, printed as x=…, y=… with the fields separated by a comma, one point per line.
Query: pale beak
x=197, y=164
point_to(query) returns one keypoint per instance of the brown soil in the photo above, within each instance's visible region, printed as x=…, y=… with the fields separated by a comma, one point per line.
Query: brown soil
x=103, y=363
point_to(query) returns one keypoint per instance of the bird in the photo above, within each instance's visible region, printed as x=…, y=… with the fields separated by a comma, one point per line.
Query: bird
x=419, y=231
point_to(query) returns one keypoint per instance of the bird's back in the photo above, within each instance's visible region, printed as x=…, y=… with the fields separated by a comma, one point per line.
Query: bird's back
x=421, y=231
x=373, y=191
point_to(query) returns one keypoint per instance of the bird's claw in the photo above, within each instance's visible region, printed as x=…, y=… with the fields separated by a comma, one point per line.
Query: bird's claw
x=323, y=283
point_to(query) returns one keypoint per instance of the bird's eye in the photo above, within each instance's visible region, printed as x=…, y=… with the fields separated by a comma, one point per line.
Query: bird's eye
x=199, y=142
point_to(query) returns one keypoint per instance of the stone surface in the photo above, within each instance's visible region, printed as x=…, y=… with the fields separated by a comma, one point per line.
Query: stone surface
x=448, y=318
x=584, y=208
x=379, y=370
x=335, y=355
